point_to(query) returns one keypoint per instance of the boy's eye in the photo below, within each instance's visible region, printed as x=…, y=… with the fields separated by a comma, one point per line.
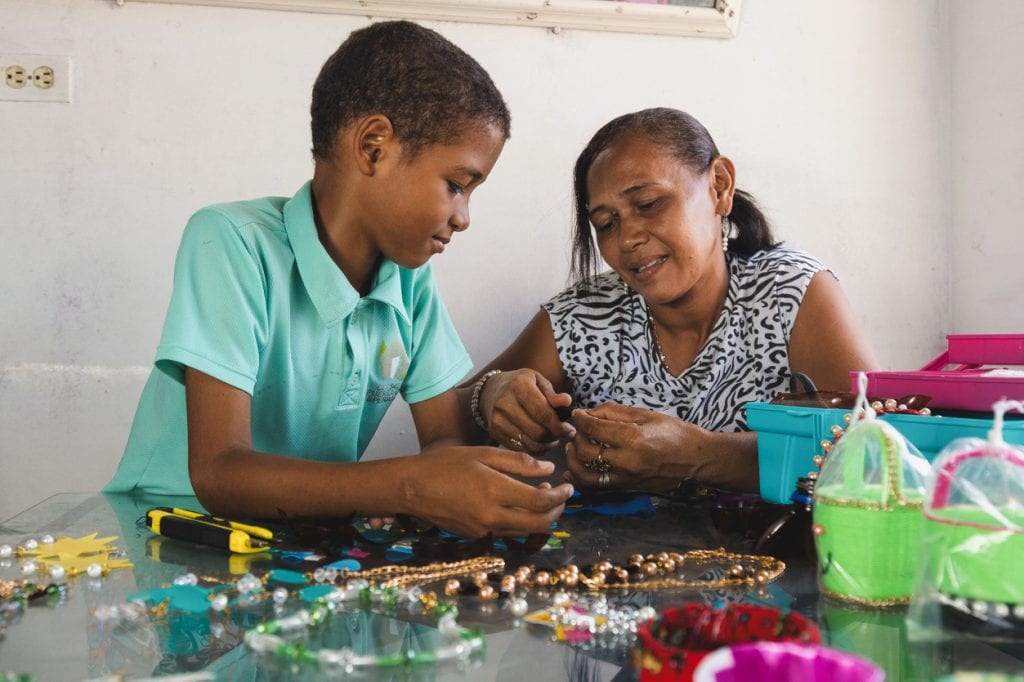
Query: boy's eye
x=455, y=188
x=647, y=205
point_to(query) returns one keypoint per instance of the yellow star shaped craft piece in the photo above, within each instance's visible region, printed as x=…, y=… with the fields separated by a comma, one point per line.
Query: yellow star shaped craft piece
x=76, y=554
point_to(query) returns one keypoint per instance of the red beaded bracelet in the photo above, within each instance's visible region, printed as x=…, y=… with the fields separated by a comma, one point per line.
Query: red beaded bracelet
x=671, y=645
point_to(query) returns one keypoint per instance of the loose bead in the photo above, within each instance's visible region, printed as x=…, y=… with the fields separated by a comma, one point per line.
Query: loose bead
x=219, y=602
x=94, y=571
x=280, y=595
x=890, y=404
x=57, y=572
x=487, y=593
x=518, y=607
x=818, y=460
x=6, y=551
x=650, y=568
x=447, y=626
x=542, y=578
x=924, y=411
x=29, y=567
x=31, y=544
x=46, y=539
x=452, y=588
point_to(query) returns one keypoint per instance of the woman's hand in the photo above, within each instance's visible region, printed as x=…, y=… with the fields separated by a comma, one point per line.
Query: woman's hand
x=519, y=408
x=637, y=448
x=470, y=491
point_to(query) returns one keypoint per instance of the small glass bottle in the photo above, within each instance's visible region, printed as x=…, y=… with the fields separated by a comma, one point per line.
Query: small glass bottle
x=790, y=536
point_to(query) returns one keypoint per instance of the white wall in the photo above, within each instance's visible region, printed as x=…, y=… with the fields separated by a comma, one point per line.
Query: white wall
x=987, y=163
x=836, y=114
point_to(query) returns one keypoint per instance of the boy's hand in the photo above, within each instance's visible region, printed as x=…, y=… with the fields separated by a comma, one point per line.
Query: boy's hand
x=469, y=491
x=520, y=408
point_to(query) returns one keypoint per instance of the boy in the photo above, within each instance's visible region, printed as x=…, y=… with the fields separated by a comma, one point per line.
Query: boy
x=293, y=323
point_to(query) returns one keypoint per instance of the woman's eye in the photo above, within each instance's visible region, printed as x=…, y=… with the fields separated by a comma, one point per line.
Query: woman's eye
x=455, y=188
x=647, y=205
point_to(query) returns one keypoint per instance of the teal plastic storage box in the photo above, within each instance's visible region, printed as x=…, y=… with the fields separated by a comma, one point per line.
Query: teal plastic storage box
x=788, y=438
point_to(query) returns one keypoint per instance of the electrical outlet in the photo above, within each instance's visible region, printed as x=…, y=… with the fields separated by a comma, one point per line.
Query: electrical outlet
x=35, y=77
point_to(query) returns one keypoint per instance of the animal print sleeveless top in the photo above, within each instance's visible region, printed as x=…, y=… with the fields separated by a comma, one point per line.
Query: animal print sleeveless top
x=604, y=342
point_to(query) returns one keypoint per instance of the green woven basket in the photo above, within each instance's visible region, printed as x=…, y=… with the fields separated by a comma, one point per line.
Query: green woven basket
x=974, y=552
x=868, y=535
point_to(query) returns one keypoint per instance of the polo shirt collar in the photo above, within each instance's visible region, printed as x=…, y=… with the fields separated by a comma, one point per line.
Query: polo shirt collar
x=332, y=294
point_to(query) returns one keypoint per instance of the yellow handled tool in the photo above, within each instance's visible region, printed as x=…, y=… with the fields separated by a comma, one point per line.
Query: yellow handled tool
x=163, y=521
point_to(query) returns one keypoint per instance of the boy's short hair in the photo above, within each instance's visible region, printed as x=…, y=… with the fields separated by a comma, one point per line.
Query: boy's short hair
x=428, y=87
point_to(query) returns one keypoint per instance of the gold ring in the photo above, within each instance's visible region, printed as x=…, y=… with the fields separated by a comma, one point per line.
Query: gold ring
x=517, y=441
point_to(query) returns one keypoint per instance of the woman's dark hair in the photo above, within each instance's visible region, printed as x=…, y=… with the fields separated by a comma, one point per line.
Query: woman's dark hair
x=425, y=85
x=691, y=143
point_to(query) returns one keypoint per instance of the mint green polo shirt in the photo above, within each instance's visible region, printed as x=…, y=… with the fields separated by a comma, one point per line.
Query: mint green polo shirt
x=258, y=304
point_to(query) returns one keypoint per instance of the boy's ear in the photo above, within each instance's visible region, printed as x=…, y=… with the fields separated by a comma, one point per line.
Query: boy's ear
x=374, y=139
x=723, y=184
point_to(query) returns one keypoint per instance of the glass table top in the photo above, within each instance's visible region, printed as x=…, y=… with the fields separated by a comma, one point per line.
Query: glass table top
x=67, y=642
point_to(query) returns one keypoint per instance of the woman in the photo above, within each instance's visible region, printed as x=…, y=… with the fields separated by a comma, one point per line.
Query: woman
x=701, y=312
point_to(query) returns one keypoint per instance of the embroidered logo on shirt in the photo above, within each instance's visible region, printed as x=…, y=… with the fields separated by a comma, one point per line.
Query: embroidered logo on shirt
x=384, y=393
x=394, y=362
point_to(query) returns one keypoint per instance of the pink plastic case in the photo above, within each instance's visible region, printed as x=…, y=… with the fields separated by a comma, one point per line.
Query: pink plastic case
x=960, y=377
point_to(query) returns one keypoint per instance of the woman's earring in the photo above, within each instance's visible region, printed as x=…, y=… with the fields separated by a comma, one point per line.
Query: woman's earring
x=725, y=233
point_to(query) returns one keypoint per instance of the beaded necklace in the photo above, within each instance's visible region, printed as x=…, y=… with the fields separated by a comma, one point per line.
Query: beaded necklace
x=650, y=572
x=458, y=644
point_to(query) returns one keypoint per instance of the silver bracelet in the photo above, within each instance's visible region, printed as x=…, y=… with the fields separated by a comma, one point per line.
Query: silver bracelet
x=474, y=403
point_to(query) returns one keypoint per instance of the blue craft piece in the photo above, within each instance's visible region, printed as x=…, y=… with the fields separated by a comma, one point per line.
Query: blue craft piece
x=396, y=554
x=313, y=592
x=298, y=557
x=191, y=598
x=640, y=505
x=378, y=536
x=500, y=545
x=287, y=577
x=345, y=565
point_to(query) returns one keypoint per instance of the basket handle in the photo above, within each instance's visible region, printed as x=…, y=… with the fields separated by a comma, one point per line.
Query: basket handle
x=892, y=464
x=944, y=477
